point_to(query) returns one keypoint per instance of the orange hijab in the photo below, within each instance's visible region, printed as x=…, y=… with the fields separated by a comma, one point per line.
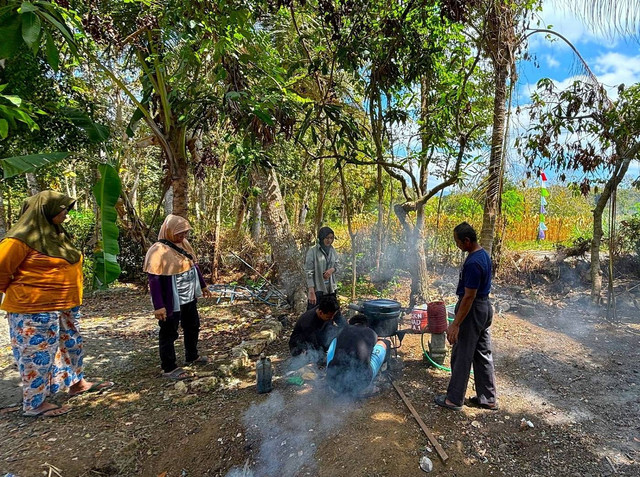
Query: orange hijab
x=162, y=259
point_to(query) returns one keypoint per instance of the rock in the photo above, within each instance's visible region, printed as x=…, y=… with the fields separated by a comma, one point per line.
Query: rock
x=205, y=384
x=271, y=324
x=240, y=363
x=426, y=464
x=503, y=306
x=526, y=310
x=188, y=399
x=267, y=335
x=181, y=387
x=252, y=347
x=226, y=369
x=239, y=352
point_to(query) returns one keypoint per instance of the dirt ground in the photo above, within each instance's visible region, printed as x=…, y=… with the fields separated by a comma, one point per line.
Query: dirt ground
x=567, y=370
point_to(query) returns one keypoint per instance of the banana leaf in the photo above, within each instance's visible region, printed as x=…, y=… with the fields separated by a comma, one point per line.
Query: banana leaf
x=107, y=191
x=13, y=166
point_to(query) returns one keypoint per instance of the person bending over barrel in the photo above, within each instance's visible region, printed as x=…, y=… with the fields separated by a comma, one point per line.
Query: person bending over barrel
x=355, y=357
x=316, y=327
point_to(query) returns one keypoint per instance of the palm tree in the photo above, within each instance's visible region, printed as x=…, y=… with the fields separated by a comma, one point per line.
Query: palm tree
x=499, y=43
x=610, y=16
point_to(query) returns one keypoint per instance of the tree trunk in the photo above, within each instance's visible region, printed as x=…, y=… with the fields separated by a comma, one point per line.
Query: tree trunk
x=320, y=205
x=596, y=278
x=492, y=197
x=304, y=208
x=285, y=252
x=179, y=172
x=380, y=224
x=352, y=235
x=256, y=221
x=215, y=261
x=133, y=192
x=420, y=275
x=241, y=212
x=611, y=185
x=74, y=186
x=303, y=214
x=168, y=202
x=32, y=183
x=416, y=261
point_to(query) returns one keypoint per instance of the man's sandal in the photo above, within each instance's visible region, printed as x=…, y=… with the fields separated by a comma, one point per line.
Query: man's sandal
x=442, y=401
x=475, y=403
x=201, y=360
x=177, y=374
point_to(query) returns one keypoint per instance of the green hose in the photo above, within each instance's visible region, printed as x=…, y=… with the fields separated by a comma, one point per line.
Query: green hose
x=424, y=351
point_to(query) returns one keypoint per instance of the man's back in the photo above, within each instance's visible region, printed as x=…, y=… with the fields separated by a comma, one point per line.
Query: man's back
x=305, y=332
x=349, y=369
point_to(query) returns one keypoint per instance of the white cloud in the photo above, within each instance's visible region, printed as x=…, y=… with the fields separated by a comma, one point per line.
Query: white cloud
x=613, y=69
x=551, y=61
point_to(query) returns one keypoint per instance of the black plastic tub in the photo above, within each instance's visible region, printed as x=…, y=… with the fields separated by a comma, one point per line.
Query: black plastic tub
x=383, y=315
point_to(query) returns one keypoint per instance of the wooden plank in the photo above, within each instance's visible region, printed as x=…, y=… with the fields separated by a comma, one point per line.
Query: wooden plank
x=443, y=455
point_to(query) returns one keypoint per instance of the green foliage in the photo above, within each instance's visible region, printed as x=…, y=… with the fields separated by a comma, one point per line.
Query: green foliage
x=580, y=128
x=513, y=206
x=26, y=24
x=12, y=166
x=12, y=111
x=107, y=191
x=581, y=235
x=629, y=234
x=81, y=227
x=463, y=206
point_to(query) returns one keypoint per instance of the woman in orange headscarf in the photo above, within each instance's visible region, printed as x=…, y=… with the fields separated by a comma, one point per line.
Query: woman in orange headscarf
x=175, y=283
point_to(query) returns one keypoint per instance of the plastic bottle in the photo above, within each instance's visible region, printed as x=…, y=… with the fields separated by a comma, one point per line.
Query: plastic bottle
x=264, y=374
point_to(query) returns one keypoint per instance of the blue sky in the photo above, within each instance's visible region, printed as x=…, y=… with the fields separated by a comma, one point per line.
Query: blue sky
x=614, y=59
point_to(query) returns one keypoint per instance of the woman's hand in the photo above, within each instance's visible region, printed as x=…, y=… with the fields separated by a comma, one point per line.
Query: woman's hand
x=206, y=293
x=328, y=273
x=161, y=314
x=312, y=296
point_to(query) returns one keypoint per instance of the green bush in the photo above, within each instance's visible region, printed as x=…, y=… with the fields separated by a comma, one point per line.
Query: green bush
x=629, y=235
x=80, y=227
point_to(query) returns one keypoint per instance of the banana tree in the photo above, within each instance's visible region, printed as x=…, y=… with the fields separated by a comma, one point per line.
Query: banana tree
x=31, y=24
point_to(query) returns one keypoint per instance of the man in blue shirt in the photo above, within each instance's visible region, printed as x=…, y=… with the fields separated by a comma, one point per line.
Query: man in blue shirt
x=469, y=333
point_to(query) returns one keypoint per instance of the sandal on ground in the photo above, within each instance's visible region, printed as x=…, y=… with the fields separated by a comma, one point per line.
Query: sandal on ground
x=442, y=401
x=199, y=360
x=96, y=387
x=475, y=403
x=48, y=412
x=177, y=374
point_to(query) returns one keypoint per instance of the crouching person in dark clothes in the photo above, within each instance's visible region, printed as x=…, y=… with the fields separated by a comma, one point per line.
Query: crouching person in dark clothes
x=469, y=333
x=354, y=358
x=316, y=328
